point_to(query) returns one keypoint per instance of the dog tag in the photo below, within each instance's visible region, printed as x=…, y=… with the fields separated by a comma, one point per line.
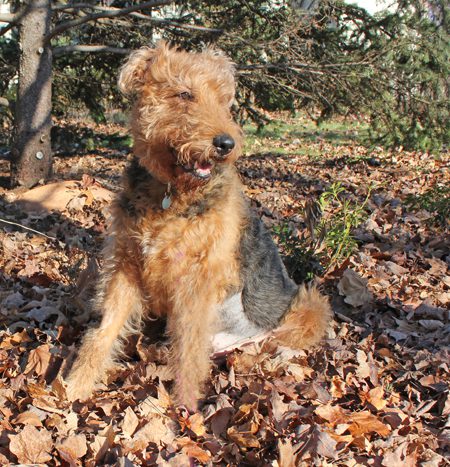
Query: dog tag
x=166, y=202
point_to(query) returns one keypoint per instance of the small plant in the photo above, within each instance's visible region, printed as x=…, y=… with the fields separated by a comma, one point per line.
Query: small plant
x=328, y=239
x=340, y=217
x=299, y=257
x=435, y=200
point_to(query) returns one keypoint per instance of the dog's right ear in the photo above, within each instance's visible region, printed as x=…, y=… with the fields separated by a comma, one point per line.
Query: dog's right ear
x=136, y=71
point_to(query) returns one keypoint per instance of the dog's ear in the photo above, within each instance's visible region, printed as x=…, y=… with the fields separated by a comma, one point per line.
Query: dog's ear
x=136, y=71
x=222, y=60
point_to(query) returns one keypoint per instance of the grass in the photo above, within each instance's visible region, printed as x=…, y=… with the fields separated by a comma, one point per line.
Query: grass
x=303, y=130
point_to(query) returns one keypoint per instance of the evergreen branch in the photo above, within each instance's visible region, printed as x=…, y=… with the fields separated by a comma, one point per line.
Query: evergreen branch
x=108, y=13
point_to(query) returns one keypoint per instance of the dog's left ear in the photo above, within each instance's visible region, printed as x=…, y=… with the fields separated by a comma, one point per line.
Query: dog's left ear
x=222, y=60
x=136, y=71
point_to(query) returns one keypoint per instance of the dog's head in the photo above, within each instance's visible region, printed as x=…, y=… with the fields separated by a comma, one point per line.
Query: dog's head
x=181, y=121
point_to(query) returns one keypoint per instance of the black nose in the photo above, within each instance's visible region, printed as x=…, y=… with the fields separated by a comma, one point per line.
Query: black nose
x=223, y=143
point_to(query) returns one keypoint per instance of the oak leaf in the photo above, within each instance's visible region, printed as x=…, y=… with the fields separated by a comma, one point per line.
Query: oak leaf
x=31, y=446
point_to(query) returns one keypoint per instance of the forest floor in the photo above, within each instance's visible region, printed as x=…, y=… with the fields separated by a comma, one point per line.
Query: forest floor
x=374, y=393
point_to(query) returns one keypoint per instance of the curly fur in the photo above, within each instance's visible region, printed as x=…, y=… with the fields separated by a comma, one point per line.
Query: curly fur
x=205, y=263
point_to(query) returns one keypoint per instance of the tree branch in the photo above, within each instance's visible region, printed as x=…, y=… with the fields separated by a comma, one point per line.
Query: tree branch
x=4, y=30
x=109, y=13
x=7, y=18
x=75, y=6
x=58, y=51
x=311, y=68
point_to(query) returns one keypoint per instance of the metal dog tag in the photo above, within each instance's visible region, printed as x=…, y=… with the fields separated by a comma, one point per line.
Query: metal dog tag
x=166, y=202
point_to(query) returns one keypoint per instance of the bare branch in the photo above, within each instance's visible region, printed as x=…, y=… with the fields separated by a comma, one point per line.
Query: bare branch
x=167, y=22
x=156, y=21
x=75, y=6
x=30, y=229
x=307, y=67
x=7, y=18
x=58, y=51
x=109, y=13
x=4, y=30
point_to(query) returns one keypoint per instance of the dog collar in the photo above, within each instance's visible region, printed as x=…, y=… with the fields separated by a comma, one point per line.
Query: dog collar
x=167, y=200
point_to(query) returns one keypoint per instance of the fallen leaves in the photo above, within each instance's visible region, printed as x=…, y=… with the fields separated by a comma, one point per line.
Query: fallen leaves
x=72, y=449
x=31, y=446
x=354, y=288
x=375, y=392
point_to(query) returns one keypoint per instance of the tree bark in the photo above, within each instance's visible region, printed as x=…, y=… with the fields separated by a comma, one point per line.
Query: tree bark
x=31, y=153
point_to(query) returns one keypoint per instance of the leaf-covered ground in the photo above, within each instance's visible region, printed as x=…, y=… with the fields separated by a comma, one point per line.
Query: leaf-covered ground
x=375, y=393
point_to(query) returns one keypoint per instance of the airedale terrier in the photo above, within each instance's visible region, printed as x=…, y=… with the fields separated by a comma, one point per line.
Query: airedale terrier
x=183, y=242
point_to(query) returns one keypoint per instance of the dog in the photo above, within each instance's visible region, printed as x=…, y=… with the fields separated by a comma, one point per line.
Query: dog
x=183, y=242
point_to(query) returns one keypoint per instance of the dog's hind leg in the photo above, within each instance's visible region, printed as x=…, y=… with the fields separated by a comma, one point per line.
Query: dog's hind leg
x=120, y=302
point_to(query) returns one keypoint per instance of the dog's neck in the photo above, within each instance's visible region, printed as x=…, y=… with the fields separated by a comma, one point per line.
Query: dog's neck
x=140, y=184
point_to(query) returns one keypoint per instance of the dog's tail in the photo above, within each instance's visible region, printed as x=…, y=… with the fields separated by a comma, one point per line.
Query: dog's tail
x=306, y=320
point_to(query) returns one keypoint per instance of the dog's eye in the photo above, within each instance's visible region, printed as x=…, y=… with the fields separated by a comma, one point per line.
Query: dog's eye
x=187, y=96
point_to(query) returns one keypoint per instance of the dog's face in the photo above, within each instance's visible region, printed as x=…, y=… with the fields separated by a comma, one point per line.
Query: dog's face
x=181, y=122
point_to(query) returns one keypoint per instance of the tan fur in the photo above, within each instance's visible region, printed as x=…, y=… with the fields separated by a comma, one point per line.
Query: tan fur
x=173, y=264
x=306, y=320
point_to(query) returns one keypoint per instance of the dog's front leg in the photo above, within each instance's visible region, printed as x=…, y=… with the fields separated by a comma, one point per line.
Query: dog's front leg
x=190, y=324
x=119, y=300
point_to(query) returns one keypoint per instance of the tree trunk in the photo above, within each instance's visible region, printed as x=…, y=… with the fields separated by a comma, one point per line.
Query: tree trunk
x=31, y=153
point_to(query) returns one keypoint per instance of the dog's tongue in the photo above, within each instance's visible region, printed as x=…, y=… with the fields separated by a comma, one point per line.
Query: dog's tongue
x=203, y=169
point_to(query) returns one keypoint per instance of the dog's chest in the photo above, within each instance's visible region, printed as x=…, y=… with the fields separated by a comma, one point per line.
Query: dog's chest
x=187, y=255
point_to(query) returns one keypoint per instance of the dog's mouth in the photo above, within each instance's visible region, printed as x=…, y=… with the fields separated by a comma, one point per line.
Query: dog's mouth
x=201, y=170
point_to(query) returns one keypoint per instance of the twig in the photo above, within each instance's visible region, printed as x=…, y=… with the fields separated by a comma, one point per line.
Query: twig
x=28, y=228
x=58, y=51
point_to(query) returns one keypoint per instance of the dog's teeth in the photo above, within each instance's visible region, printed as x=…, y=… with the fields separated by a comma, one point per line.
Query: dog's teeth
x=203, y=169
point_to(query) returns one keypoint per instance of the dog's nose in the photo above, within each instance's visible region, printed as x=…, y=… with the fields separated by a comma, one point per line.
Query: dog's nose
x=224, y=144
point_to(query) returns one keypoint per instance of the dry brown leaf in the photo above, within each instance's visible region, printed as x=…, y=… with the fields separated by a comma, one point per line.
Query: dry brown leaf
x=245, y=413
x=354, y=289
x=192, y=449
x=157, y=430
x=56, y=196
x=364, y=422
x=438, y=268
x=130, y=422
x=300, y=372
x=326, y=445
x=72, y=449
x=375, y=397
x=38, y=360
x=102, y=443
x=366, y=369
x=334, y=415
x=31, y=446
x=28, y=418
x=163, y=396
x=286, y=453
x=395, y=269
x=196, y=424
x=152, y=405
x=71, y=421
x=243, y=439
x=220, y=420
x=401, y=456
x=337, y=388
x=279, y=407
